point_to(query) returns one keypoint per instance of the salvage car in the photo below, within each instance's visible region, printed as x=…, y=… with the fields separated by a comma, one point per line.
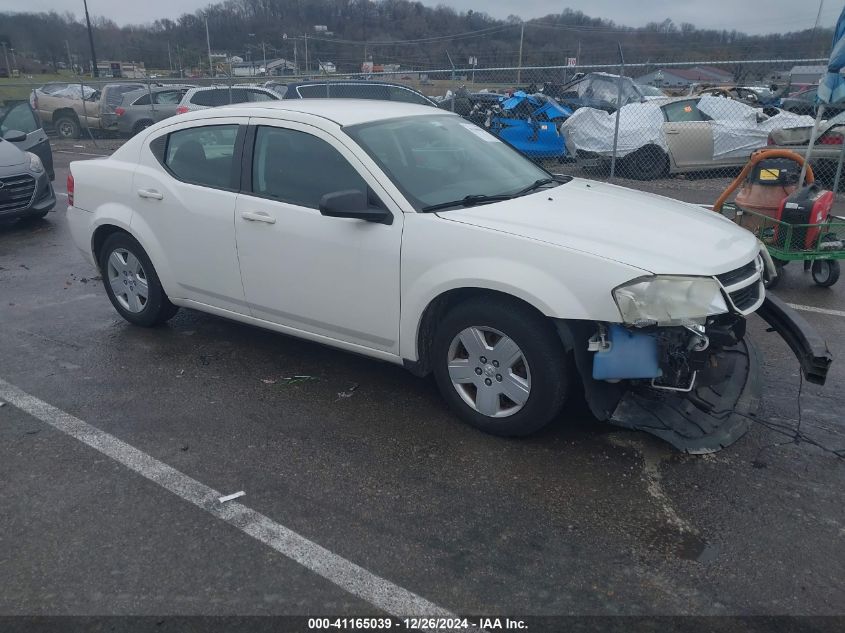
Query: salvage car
x=669, y=136
x=201, y=98
x=827, y=148
x=355, y=89
x=413, y=236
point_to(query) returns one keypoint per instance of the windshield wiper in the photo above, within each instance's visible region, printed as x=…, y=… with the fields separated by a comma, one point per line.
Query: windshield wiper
x=542, y=183
x=466, y=201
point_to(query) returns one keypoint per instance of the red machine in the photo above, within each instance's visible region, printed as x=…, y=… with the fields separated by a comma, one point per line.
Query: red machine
x=808, y=205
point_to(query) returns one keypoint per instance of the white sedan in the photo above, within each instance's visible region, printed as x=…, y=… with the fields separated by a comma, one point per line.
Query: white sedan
x=417, y=238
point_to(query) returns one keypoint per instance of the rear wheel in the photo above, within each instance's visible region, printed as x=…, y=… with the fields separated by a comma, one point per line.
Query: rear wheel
x=500, y=366
x=140, y=126
x=647, y=163
x=132, y=283
x=825, y=272
x=67, y=127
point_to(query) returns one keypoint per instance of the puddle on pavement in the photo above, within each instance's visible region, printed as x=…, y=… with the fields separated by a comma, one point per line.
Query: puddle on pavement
x=692, y=547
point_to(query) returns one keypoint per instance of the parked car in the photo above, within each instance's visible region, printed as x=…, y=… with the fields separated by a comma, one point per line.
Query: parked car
x=76, y=107
x=597, y=90
x=409, y=235
x=279, y=87
x=25, y=189
x=18, y=116
x=352, y=89
x=141, y=108
x=213, y=96
x=660, y=137
x=805, y=103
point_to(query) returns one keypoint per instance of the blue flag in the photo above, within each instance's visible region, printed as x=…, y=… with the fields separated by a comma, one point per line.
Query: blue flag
x=832, y=86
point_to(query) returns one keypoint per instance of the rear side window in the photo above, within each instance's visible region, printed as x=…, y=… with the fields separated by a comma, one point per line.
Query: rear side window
x=299, y=168
x=210, y=98
x=203, y=155
x=142, y=100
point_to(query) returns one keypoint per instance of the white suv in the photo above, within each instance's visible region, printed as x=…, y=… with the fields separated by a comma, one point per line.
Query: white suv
x=414, y=237
x=213, y=96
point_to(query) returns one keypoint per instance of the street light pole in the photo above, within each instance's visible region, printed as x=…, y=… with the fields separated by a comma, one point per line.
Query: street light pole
x=91, y=40
x=208, y=44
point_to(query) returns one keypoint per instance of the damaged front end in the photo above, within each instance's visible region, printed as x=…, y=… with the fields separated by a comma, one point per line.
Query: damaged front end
x=689, y=376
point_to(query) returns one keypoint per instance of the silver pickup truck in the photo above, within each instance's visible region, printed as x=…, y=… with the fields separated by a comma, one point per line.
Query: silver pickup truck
x=72, y=107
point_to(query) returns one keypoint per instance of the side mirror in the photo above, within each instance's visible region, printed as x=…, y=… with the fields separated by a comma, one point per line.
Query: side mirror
x=14, y=136
x=353, y=203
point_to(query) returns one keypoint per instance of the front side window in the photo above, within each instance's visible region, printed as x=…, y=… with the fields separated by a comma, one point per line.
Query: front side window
x=406, y=96
x=203, y=155
x=682, y=111
x=437, y=158
x=167, y=97
x=299, y=168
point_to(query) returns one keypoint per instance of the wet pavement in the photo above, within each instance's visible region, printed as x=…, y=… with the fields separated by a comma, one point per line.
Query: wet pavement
x=365, y=460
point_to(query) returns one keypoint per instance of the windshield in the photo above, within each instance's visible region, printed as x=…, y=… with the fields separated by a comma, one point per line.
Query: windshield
x=440, y=158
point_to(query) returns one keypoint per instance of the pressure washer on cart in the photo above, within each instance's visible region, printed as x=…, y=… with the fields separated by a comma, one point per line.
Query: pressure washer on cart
x=793, y=222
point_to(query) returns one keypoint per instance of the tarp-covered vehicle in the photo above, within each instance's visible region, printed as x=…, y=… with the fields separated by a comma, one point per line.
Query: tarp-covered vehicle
x=602, y=91
x=678, y=135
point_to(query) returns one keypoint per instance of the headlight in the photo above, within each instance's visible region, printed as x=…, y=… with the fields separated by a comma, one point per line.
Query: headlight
x=35, y=164
x=669, y=300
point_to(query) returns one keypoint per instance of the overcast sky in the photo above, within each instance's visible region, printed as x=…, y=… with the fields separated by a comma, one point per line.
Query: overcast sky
x=762, y=16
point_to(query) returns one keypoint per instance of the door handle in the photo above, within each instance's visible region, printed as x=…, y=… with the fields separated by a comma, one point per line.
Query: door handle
x=258, y=216
x=673, y=131
x=150, y=193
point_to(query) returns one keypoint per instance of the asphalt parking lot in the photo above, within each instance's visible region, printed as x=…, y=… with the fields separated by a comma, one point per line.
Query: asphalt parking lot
x=410, y=508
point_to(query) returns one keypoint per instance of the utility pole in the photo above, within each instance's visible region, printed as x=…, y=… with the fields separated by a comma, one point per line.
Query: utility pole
x=6, y=55
x=169, y=58
x=69, y=58
x=295, y=67
x=519, y=69
x=816, y=25
x=306, y=54
x=264, y=50
x=91, y=40
x=208, y=44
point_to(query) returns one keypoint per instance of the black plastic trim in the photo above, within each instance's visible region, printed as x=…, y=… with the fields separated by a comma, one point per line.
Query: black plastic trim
x=810, y=348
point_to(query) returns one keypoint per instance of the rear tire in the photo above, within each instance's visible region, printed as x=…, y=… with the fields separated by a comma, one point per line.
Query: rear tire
x=131, y=282
x=825, y=272
x=67, y=127
x=140, y=126
x=647, y=163
x=512, y=376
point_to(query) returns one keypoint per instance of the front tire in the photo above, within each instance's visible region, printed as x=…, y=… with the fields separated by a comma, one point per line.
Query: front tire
x=132, y=283
x=500, y=366
x=647, y=163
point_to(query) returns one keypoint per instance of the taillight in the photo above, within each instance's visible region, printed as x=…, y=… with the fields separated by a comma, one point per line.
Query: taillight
x=830, y=138
x=119, y=111
x=181, y=109
x=70, y=189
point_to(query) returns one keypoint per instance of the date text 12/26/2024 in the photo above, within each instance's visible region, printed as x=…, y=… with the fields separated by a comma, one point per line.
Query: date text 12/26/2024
x=417, y=624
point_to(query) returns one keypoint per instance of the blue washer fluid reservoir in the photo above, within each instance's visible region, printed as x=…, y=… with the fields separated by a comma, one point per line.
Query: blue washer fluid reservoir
x=630, y=355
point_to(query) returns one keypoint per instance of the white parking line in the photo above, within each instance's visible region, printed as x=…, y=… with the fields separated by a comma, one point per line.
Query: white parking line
x=798, y=306
x=64, y=151
x=380, y=593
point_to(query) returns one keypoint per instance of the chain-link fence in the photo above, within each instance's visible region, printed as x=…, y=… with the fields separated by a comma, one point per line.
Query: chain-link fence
x=679, y=129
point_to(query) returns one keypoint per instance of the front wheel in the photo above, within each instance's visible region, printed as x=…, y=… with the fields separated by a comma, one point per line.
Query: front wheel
x=647, y=163
x=500, y=366
x=132, y=283
x=67, y=127
x=825, y=272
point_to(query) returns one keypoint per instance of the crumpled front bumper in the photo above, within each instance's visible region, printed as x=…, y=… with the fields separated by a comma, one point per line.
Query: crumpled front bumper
x=719, y=410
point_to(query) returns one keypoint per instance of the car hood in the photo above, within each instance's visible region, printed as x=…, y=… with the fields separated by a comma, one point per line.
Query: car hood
x=10, y=154
x=643, y=230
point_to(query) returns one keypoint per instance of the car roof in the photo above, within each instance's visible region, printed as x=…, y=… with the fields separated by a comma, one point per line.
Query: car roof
x=357, y=82
x=341, y=111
